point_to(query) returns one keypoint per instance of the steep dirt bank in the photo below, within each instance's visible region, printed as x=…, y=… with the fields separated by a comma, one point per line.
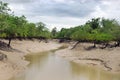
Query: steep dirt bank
x=15, y=62
x=108, y=58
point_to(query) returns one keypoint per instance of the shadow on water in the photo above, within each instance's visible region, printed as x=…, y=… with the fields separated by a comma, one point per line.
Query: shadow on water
x=48, y=66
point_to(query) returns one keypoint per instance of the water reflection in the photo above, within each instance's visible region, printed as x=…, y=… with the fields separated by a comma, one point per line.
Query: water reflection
x=91, y=73
x=47, y=66
x=38, y=60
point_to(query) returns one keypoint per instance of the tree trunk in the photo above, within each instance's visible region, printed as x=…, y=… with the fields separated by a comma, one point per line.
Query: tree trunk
x=75, y=45
x=94, y=44
x=9, y=42
x=117, y=44
x=107, y=45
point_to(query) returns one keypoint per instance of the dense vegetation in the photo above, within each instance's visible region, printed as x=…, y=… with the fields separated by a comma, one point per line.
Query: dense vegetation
x=96, y=30
x=12, y=26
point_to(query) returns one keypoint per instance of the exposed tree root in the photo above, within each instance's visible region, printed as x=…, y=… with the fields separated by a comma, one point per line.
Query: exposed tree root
x=101, y=61
x=75, y=45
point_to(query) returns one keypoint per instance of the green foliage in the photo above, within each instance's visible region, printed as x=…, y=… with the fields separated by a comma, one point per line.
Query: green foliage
x=62, y=33
x=30, y=30
x=94, y=23
x=54, y=32
x=42, y=31
x=4, y=8
x=102, y=37
x=13, y=26
x=80, y=35
x=96, y=29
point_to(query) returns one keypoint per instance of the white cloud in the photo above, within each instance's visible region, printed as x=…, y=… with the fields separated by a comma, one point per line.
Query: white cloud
x=61, y=1
x=65, y=13
x=17, y=8
x=98, y=13
x=58, y=22
x=111, y=9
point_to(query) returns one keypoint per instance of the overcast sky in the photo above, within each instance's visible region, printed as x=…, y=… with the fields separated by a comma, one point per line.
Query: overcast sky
x=65, y=13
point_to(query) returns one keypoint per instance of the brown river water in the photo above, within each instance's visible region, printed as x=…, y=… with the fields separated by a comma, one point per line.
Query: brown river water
x=48, y=66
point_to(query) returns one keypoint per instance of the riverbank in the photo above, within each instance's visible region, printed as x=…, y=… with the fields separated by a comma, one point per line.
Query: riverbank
x=15, y=62
x=107, y=59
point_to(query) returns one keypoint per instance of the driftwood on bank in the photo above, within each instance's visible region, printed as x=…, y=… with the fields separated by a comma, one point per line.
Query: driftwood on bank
x=75, y=45
x=97, y=45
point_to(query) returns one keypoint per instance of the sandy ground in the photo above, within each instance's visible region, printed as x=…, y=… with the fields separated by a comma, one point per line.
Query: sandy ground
x=107, y=59
x=15, y=62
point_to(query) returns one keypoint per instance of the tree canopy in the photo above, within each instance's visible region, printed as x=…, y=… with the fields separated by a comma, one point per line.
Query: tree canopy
x=94, y=30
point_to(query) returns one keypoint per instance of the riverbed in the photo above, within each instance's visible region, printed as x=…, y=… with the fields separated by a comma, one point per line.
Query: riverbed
x=48, y=66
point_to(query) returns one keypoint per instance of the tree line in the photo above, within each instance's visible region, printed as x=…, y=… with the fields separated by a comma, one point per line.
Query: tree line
x=12, y=26
x=96, y=30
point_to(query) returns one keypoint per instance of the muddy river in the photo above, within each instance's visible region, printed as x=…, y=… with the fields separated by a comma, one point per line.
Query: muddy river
x=48, y=66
